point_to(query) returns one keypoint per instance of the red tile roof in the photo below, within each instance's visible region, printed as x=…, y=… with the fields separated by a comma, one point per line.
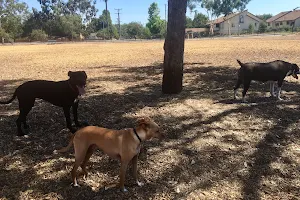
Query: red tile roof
x=285, y=16
x=291, y=16
x=277, y=16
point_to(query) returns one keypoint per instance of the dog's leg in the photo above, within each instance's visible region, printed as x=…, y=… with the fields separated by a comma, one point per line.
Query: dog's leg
x=19, y=124
x=272, y=89
x=68, y=119
x=80, y=153
x=24, y=110
x=75, y=114
x=238, y=83
x=134, y=170
x=89, y=153
x=123, y=169
x=246, y=87
x=279, y=89
x=73, y=173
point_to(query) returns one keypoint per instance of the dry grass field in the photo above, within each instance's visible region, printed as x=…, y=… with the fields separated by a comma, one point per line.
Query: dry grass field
x=215, y=147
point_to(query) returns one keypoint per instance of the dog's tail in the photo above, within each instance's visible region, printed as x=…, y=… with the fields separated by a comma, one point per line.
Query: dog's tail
x=9, y=101
x=240, y=63
x=64, y=149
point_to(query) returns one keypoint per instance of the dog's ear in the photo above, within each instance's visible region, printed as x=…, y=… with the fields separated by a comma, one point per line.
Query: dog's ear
x=84, y=73
x=70, y=73
x=295, y=69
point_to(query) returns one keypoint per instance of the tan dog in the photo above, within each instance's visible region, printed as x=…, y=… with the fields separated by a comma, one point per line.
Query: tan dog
x=122, y=144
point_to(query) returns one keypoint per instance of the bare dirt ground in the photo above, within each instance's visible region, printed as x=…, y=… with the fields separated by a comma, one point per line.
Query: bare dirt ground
x=215, y=147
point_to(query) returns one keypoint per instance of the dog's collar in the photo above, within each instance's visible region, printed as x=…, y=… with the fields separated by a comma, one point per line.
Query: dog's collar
x=137, y=135
x=72, y=87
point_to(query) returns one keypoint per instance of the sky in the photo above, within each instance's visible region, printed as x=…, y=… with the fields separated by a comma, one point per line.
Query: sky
x=137, y=10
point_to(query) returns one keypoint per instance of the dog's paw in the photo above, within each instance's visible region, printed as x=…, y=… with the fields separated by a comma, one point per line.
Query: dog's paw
x=140, y=184
x=55, y=152
x=75, y=185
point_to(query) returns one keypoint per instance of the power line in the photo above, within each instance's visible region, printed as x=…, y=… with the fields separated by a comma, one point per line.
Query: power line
x=119, y=21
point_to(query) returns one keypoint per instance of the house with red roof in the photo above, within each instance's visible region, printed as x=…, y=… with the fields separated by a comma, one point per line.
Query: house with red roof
x=235, y=23
x=285, y=19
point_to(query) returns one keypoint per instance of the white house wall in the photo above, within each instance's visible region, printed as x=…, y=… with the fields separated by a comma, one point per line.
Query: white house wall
x=297, y=22
x=284, y=24
x=234, y=24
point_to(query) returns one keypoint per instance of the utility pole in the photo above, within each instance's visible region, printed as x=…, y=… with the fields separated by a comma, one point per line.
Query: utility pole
x=119, y=21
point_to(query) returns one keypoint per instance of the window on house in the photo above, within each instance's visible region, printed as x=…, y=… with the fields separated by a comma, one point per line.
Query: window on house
x=277, y=24
x=280, y=23
x=288, y=22
x=241, y=19
x=217, y=25
x=292, y=23
x=232, y=25
x=255, y=24
x=268, y=24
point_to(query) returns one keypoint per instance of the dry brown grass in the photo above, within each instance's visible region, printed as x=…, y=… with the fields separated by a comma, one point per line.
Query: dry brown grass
x=215, y=148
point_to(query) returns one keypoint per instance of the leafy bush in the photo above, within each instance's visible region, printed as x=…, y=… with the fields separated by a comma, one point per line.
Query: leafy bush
x=262, y=27
x=106, y=33
x=4, y=34
x=251, y=28
x=38, y=35
x=146, y=34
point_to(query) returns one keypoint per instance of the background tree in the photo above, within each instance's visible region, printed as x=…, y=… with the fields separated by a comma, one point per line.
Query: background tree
x=104, y=28
x=12, y=12
x=226, y=7
x=200, y=20
x=155, y=24
x=71, y=26
x=85, y=8
x=35, y=20
x=188, y=22
x=264, y=17
x=174, y=47
x=134, y=30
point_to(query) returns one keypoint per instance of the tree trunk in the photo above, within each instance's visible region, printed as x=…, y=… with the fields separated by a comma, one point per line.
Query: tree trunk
x=174, y=47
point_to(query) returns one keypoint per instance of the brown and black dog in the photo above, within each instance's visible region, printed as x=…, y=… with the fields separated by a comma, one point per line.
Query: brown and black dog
x=62, y=93
x=122, y=144
x=272, y=71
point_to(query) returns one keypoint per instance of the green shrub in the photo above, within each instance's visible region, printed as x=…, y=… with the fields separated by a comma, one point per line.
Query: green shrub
x=262, y=27
x=251, y=28
x=38, y=35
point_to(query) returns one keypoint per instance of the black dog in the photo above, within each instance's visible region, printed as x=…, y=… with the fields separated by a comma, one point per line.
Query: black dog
x=272, y=71
x=62, y=93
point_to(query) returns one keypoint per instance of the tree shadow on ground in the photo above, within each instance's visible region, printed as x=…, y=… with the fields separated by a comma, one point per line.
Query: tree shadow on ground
x=179, y=166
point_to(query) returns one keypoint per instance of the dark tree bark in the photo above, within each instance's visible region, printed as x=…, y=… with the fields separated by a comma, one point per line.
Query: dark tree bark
x=174, y=47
